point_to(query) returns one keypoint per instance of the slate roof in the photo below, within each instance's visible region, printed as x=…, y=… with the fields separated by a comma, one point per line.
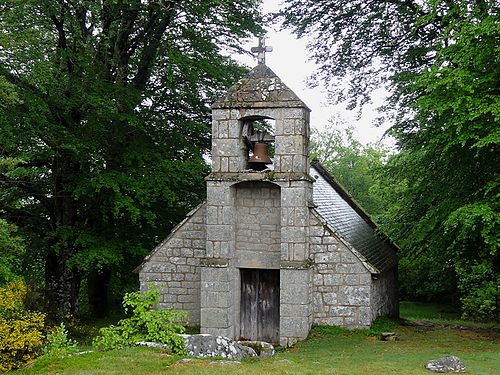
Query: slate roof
x=259, y=88
x=350, y=221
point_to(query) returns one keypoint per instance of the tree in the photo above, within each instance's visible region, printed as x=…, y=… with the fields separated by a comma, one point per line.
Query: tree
x=440, y=60
x=355, y=166
x=106, y=125
x=11, y=252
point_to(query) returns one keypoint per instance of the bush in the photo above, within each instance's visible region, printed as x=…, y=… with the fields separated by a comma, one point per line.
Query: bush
x=479, y=285
x=59, y=344
x=145, y=324
x=20, y=331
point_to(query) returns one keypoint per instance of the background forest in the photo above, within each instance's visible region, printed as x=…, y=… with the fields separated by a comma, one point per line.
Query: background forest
x=105, y=118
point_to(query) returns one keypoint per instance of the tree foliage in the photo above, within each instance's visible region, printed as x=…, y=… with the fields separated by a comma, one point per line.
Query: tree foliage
x=12, y=250
x=440, y=60
x=104, y=123
x=355, y=166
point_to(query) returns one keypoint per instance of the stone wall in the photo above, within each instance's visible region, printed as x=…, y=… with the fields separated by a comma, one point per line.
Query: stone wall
x=295, y=304
x=173, y=265
x=384, y=294
x=229, y=153
x=258, y=215
x=341, y=283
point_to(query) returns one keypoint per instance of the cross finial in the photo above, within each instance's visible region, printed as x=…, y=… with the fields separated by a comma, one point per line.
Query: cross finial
x=261, y=50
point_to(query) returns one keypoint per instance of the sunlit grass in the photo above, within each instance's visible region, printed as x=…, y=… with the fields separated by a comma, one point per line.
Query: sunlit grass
x=328, y=350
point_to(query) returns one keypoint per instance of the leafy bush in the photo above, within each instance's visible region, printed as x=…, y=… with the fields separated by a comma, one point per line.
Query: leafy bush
x=20, y=330
x=479, y=284
x=59, y=344
x=145, y=324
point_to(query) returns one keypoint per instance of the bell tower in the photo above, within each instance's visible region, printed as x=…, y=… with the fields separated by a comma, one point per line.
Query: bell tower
x=257, y=221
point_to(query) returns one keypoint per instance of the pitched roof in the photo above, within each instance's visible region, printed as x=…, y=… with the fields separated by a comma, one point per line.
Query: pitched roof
x=350, y=221
x=259, y=88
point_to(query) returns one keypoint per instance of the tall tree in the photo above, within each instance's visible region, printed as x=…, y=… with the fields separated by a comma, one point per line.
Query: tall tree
x=440, y=61
x=105, y=126
x=355, y=166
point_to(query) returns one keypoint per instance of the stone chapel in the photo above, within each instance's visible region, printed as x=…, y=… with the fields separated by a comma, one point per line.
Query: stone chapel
x=274, y=248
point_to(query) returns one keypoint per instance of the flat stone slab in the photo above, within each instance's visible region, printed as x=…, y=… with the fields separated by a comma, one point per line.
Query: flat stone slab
x=448, y=363
x=225, y=363
x=207, y=346
x=182, y=361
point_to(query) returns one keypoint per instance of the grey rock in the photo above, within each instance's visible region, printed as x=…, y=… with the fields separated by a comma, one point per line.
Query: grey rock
x=206, y=346
x=389, y=336
x=448, y=363
x=151, y=344
x=225, y=363
x=183, y=360
x=262, y=348
x=283, y=361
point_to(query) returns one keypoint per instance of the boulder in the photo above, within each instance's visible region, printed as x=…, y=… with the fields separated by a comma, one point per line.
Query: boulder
x=262, y=348
x=206, y=346
x=388, y=336
x=448, y=363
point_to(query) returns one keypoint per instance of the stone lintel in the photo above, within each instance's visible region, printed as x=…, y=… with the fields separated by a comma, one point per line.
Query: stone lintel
x=214, y=262
x=259, y=176
x=296, y=264
x=264, y=104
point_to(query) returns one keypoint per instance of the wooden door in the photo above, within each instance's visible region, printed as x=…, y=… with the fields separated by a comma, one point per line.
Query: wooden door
x=260, y=305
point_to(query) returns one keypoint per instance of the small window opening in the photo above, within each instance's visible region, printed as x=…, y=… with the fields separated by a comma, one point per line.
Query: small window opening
x=258, y=136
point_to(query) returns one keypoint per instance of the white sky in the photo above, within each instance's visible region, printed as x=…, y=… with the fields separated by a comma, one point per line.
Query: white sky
x=289, y=61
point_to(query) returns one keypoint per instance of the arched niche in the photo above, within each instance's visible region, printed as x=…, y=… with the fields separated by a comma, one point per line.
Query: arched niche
x=257, y=131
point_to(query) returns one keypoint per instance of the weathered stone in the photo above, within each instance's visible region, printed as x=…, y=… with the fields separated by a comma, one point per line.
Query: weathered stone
x=223, y=363
x=182, y=361
x=151, y=344
x=389, y=336
x=206, y=346
x=262, y=348
x=447, y=363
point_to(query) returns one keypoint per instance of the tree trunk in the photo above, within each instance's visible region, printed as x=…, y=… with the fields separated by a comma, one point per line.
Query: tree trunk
x=98, y=289
x=63, y=284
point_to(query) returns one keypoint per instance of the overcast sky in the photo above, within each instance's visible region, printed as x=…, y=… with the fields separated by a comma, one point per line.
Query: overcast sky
x=290, y=62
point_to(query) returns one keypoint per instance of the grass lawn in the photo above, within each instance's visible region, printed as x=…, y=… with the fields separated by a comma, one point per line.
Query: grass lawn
x=328, y=350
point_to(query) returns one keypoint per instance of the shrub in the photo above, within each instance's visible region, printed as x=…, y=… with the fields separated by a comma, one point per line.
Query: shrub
x=20, y=331
x=59, y=344
x=145, y=324
x=479, y=285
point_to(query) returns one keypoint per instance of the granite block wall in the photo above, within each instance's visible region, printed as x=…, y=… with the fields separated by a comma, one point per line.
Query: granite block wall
x=258, y=238
x=341, y=283
x=173, y=266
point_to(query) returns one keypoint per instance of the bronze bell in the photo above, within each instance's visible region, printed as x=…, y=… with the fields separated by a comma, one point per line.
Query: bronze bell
x=260, y=155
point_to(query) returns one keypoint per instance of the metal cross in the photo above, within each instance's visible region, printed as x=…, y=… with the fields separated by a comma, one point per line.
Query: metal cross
x=261, y=50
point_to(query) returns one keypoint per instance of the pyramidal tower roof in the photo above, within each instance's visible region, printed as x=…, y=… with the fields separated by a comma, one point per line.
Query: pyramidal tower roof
x=261, y=88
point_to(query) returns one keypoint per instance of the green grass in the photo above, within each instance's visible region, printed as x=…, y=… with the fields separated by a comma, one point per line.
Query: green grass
x=437, y=313
x=427, y=311
x=328, y=350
